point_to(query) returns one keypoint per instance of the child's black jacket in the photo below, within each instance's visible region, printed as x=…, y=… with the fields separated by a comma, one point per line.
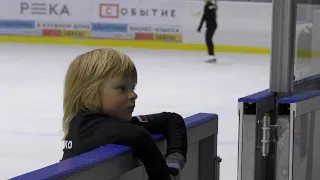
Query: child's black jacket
x=89, y=130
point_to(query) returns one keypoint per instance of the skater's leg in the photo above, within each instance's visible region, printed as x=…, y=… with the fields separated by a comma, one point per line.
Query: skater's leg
x=213, y=32
x=209, y=43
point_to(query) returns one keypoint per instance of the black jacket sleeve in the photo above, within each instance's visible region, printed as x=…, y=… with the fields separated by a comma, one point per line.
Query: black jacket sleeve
x=208, y=15
x=141, y=142
x=203, y=18
x=171, y=125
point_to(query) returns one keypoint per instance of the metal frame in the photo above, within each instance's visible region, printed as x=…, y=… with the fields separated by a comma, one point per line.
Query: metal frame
x=283, y=47
x=286, y=118
x=251, y=112
x=295, y=136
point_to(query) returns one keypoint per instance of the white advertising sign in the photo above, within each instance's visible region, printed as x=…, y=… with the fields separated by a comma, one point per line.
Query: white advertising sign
x=58, y=25
x=56, y=10
x=137, y=12
x=113, y=35
x=154, y=29
x=22, y=32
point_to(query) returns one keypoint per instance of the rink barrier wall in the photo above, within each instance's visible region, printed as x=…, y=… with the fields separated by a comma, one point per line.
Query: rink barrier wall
x=172, y=26
x=299, y=97
x=115, y=161
x=135, y=44
x=297, y=132
x=299, y=136
x=297, y=113
x=238, y=31
x=253, y=98
x=305, y=84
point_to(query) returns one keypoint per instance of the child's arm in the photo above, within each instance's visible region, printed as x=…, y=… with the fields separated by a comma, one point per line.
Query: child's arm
x=173, y=127
x=141, y=142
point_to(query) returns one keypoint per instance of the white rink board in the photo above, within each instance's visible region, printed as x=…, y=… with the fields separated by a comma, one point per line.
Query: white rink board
x=239, y=23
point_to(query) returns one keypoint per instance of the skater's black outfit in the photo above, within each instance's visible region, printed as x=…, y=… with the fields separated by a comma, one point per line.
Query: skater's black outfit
x=89, y=130
x=209, y=17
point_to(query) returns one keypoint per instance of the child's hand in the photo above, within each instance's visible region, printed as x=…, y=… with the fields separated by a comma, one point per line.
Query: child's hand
x=175, y=162
x=173, y=177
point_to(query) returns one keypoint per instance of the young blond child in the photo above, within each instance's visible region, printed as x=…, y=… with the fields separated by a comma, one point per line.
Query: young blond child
x=99, y=99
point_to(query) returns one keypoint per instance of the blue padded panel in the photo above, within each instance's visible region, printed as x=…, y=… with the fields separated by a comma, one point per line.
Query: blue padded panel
x=253, y=98
x=299, y=97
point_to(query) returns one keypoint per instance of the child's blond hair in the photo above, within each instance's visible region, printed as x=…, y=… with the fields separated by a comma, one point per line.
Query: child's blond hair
x=85, y=76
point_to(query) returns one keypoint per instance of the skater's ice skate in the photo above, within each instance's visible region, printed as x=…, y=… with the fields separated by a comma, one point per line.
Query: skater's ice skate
x=211, y=59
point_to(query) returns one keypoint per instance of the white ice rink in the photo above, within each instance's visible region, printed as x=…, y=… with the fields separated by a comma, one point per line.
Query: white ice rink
x=31, y=80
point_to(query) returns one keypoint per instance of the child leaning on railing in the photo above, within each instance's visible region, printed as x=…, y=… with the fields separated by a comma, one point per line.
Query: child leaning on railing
x=99, y=99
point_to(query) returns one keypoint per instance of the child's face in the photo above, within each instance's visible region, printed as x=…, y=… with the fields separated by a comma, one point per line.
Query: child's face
x=117, y=97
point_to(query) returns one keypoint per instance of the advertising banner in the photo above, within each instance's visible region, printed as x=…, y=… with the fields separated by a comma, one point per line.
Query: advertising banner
x=106, y=19
x=112, y=35
x=167, y=37
x=17, y=27
x=111, y=31
x=62, y=25
x=16, y=24
x=72, y=33
x=159, y=37
x=109, y=27
x=66, y=33
x=137, y=12
x=21, y=32
x=154, y=29
x=50, y=32
x=144, y=36
x=56, y=10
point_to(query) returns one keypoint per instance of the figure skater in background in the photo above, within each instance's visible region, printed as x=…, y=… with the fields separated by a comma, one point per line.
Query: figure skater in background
x=99, y=99
x=209, y=16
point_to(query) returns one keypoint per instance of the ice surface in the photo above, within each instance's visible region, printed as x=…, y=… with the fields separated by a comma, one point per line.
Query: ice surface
x=32, y=76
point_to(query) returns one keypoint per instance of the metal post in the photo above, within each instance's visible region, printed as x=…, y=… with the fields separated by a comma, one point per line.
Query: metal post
x=283, y=47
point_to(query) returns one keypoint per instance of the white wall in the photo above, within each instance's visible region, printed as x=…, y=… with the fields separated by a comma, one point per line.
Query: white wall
x=239, y=23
